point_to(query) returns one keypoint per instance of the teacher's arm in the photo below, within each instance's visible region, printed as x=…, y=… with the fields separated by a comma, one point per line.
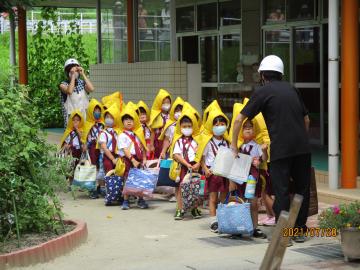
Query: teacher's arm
x=89, y=87
x=236, y=130
x=68, y=88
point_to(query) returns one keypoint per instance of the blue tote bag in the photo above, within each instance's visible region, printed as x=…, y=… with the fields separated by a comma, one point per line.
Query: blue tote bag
x=234, y=218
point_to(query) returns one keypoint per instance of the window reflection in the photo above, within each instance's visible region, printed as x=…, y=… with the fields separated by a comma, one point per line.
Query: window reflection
x=275, y=11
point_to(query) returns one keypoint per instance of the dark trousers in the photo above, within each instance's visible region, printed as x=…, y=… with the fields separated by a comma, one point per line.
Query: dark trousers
x=299, y=169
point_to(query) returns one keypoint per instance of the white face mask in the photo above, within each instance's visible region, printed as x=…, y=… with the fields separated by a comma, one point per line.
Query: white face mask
x=177, y=115
x=187, y=131
x=109, y=122
x=77, y=75
x=166, y=107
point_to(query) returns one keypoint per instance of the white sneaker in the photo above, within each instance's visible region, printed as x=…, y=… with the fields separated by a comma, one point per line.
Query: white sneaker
x=269, y=221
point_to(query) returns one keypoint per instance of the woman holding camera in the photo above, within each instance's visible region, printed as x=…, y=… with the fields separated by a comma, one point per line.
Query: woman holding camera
x=74, y=91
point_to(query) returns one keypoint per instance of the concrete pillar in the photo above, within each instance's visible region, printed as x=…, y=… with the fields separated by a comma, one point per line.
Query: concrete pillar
x=349, y=92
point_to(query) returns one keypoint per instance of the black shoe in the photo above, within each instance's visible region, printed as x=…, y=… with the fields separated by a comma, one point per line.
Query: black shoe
x=108, y=203
x=94, y=194
x=259, y=234
x=214, y=226
x=299, y=239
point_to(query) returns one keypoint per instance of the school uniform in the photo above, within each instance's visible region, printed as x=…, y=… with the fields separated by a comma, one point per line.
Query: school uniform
x=130, y=141
x=254, y=150
x=74, y=141
x=158, y=144
x=186, y=147
x=92, y=138
x=147, y=135
x=109, y=137
x=215, y=183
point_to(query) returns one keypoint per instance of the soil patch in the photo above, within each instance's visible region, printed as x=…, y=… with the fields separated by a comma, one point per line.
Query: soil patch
x=31, y=239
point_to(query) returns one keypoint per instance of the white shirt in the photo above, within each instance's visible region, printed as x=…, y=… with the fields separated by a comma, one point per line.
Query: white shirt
x=94, y=132
x=170, y=132
x=105, y=137
x=75, y=142
x=124, y=141
x=178, y=149
x=147, y=132
x=255, y=151
x=209, y=154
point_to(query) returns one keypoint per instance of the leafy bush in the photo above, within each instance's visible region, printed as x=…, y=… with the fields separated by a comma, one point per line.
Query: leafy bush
x=30, y=174
x=341, y=216
x=47, y=53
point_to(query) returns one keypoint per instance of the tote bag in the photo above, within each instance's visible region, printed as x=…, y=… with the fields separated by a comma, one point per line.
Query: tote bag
x=234, y=218
x=85, y=174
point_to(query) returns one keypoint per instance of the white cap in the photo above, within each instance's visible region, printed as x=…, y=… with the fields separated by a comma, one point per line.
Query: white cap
x=272, y=63
x=71, y=61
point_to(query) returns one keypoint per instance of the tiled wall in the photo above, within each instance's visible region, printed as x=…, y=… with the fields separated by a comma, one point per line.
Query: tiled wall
x=140, y=81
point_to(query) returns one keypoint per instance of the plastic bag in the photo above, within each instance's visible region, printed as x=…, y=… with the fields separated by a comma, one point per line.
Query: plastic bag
x=140, y=182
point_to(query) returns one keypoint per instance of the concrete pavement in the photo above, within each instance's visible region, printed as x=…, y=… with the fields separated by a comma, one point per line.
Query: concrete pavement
x=151, y=239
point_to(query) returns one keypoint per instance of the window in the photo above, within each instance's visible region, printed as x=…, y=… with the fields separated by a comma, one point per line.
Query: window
x=275, y=11
x=185, y=19
x=207, y=16
x=229, y=12
x=154, y=30
x=301, y=10
x=113, y=32
x=208, y=49
x=278, y=42
x=307, y=54
x=230, y=68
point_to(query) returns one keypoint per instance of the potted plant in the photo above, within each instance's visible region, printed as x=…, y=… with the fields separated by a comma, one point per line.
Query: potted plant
x=345, y=218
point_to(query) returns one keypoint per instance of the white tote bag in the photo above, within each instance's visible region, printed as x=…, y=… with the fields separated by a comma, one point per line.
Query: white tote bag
x=85, y=174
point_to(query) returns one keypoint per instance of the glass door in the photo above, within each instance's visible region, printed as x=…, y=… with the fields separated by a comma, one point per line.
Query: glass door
x=307, y=77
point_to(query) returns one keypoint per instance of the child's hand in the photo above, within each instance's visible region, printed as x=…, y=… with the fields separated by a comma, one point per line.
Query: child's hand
x=114, y=161
x=208, y=173
x=151, y=148
x=196, y=167
x=256, y=162
x=232, y=186
x=162, y=156
x=67, y=146
x=264, y=147
x=144, y=163
x=84, y=147
x=135, y=163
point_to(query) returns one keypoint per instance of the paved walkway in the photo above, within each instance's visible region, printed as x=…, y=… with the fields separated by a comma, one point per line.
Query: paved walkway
x=151, y=239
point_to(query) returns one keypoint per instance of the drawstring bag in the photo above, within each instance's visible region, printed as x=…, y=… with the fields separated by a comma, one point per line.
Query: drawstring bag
x=164, y=178
x=113, y=186
x=85, y=173
x=234, y=217
x=140, y=182
x=190, y=189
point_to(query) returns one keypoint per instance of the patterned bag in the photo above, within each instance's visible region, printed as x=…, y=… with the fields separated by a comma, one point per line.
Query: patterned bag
x=190, y=188
x=234, y=218
x=113, y=185
x=140, y=182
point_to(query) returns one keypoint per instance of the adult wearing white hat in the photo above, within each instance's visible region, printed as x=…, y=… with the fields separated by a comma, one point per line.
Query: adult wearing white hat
x=74, y=91
x=287, y=121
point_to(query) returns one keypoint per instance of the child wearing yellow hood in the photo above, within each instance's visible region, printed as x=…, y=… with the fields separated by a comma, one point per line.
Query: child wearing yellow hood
x=108, y=138
x=214, y=136
x=72, y=136
x=144, y=115
x=184, y=148
x=168, y=131
x=131, y=147
x=159, y=115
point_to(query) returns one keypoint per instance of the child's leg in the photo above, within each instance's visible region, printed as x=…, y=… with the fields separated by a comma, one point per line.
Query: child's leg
x=178, y=198
x=254, y=211
x=268, y=201
x=213, y=200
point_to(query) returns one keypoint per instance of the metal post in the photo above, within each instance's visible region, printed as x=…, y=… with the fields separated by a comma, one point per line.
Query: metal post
x=130, y=30
x=333, y=99
x=98, y=31
x=173, y=43
x=349, y=92
x=23, y=67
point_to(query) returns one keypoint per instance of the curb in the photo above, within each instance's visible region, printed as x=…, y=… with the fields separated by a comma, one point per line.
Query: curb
x=47, y=251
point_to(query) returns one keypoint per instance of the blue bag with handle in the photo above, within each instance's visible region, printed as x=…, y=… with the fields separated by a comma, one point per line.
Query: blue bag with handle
x=234, y=218
x=164, y=179
x=140, y=182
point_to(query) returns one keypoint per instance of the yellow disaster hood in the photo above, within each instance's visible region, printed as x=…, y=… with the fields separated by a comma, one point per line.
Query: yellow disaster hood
x=131, y=111
x=155, y=120
x=207, y=133
x=70, y=126
x=171, y=120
